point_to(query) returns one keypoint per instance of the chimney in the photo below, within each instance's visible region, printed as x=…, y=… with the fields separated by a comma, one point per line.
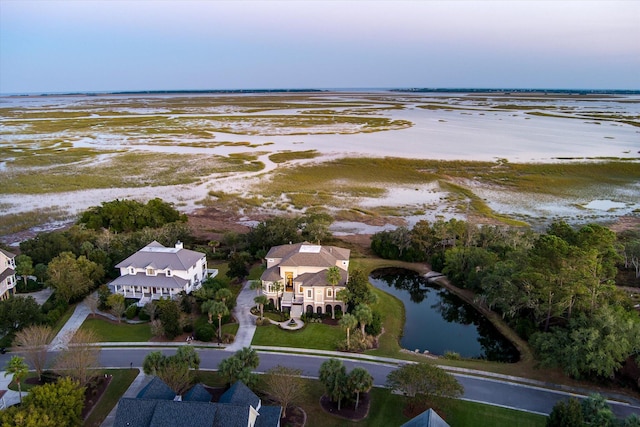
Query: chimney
x=179, y=245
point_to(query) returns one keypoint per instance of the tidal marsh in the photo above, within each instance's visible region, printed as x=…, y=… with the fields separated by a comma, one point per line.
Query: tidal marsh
x=503, y=158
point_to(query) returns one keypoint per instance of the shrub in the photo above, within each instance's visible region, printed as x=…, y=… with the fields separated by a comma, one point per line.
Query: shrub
x=228, y=338
x=142, y=315
x=375, y=327
x=452, y=355
x=132, y=311
x=205, y=333
x=31, y=286
x=188, y=327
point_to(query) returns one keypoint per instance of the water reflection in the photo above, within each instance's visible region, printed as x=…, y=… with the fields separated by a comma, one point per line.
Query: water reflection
x=439, y=321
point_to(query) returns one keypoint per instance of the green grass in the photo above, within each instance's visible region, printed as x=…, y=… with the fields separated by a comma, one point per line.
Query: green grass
x=122, y=379
x=314, y=336
x=471, y=414
x=122, y=332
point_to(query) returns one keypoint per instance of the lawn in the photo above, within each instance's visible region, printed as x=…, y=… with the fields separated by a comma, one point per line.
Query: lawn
x=386, y=409
x=118, y=332
x=471, y=414
x=314, y=335
x=122, y=379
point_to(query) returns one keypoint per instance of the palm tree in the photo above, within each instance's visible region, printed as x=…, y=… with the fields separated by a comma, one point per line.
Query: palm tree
x=333, y=277
x=348, y=321
x=261, y=301
x=19, y=369
x=277, y=288
x=219, y=309
x=364, y=315
x=206, y=308
x=224, y=294
x=359, y=381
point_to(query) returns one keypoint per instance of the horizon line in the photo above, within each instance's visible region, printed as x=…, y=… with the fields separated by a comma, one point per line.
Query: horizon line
x=345, y=89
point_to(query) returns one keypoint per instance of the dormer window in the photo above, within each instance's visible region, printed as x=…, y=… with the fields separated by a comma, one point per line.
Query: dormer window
x=169, y=273
x=132, y=270
x=151, y=271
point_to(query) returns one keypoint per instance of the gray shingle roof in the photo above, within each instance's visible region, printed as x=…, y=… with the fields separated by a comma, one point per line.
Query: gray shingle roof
x=271, y=274
x=157, y=389
x=134, y=412
x=6, y=273
x=159, y=281
x=269, y=416
x=162, y=411
x=197, y=394
x=185, y=414
x=230, y=415
x=7, y=253
x=320, y=279
x=159, y=257
x=240, y=394
x=284, y=251
x=428, y=418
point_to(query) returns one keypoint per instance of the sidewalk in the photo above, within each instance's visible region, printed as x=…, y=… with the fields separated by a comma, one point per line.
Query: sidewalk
x=133, y=390
x=11, y=397
x=60, y=341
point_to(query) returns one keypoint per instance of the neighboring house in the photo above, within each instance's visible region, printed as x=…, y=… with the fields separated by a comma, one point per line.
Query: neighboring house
x=300, y=270
x=7, y=273
x=156, y=271
x=158, y=406
x=428, y=418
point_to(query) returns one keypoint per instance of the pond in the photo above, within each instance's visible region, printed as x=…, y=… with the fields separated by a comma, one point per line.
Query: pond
x=439, y=321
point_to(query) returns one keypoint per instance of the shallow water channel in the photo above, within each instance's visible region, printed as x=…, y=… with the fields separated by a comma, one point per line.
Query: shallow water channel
x=439, y=321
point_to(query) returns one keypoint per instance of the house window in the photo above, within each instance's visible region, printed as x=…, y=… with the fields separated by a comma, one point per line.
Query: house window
x=131, y=270
x=169, y=273
x=329, y=292
x=151, y=271
x=309, y=295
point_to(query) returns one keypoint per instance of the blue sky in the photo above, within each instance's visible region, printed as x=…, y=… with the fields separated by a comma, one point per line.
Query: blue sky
x=67, y=46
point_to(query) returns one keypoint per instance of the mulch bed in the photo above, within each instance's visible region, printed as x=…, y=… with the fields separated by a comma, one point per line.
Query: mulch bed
x=347, y=411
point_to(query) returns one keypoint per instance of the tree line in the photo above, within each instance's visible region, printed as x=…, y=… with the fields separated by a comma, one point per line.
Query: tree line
x=557, y=289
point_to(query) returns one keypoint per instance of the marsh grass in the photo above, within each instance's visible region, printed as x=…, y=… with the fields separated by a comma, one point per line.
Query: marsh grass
x=287, y=156
x=130, y=169
x=13, y=223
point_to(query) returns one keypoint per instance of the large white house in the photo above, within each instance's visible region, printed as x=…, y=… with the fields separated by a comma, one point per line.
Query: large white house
x=297, y=273
x=156, y=271
x=7, y=273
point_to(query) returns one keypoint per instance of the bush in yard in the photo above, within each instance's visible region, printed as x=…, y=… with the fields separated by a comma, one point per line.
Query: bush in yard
x=205, y=333
x=131, y=311
x=143, y=316
x=375, y=327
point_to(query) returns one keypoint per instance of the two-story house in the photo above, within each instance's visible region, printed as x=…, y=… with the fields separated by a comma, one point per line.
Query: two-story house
x=296, y=275
x=156, y=271
x=7, y=273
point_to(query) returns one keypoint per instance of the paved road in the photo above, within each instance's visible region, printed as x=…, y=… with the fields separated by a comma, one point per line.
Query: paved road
x=478, y=389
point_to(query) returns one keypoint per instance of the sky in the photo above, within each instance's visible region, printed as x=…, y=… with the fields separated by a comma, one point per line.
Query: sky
x=118, y=45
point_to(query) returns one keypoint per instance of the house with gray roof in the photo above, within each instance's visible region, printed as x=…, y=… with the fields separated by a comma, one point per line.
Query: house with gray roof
x=7, y=273
x=428, y=418
x=156, y=405
x=296, y=276
x=156, y=271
